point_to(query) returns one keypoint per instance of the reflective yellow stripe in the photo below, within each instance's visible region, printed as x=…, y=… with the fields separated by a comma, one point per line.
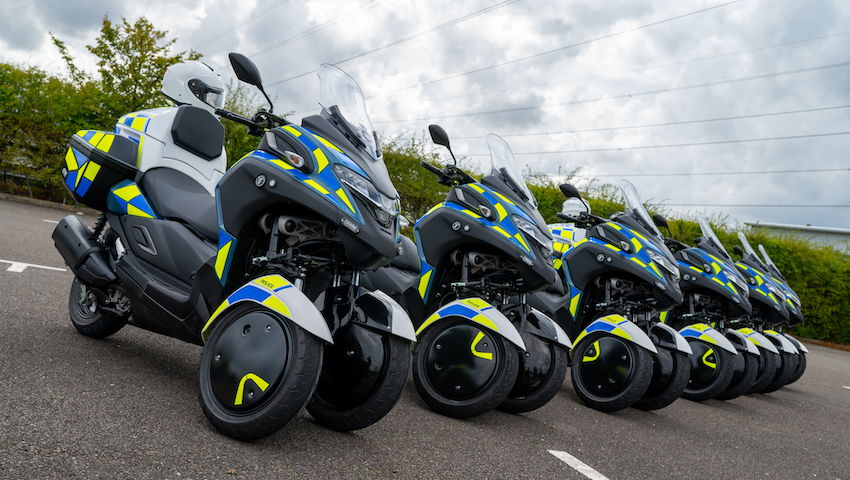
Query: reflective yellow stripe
x=658, y=272
x=574, y=305
x=94, y=140
x=105, y=144
x=476, y=188
x=705, y=359
x=638, y=262
x=80, y=173
x=272, y=282
x=519, y=238
x=137, y=212
x=282, y=164
x=503, y=198
x=294, y=131
x=484, y=355
x=71, y=161
x=595, y=356
x=91, y=170
x=637, y=244
x=612, y=247
x=240, y=391
x=318, y=187
x=500, y=230
x=718, y=281
x=128, y=193
x=341, y=194
x=221, y=259
x=278, y=306
x=139, y=124
x=502, y=212
x=327, y=143
x=471, y=213
x=423, y=283
x=321, y=159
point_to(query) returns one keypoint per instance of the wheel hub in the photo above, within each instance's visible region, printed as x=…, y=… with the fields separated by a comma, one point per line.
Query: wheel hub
x=606, y=365
x=703, y=365
x=461, y=360
x=248, y=361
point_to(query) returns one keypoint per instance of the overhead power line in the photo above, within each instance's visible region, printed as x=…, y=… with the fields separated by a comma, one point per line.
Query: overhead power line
x=674, y=145
x=695, y=174
x=566, y=47
x=665, y=124
x=650, y=92
x=408, y=38
x=251, y=18
x=642, y=69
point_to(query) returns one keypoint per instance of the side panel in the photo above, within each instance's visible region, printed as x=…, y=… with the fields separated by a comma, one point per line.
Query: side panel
x=681, y=343
x=703, y=332
x=276, y=293
x=784, y=343
x=621, y=327
x=400, y=324
x=759, y=339
x=479, y=311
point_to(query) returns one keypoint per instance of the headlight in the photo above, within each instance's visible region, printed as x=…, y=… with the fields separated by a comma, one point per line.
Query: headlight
x=664, y=262
x=385, y=208
x=780, y=297
x=739, y=282
x=532, y=231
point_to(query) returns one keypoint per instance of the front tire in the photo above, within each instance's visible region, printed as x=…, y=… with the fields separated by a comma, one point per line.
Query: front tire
x=542, y=370
x=670, y=372
x=462, y=370
x=744, y=375
x=784, y=371
x=711, y=371
x=363, y=376
x=801, y=368
x=84, y=309
x=258, y=371
x=610, y=373
x=767, y=364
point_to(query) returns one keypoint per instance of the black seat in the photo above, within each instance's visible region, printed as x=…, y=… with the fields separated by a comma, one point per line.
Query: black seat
x=177, y=196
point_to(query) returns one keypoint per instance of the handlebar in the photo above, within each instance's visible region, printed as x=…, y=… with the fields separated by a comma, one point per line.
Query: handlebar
x=583, y=220
x=256, y=125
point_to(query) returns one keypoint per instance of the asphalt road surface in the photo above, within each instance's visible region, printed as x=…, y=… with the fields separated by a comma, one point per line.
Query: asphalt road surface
x=127, y=407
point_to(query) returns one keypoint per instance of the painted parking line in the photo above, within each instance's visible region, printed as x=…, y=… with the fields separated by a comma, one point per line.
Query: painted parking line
x=845, y=386
x=50, y=221
x=18, y=267
x=578, y=465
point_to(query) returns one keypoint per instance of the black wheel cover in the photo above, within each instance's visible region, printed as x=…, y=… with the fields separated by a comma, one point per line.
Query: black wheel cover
x=535, y=365
x=704, y=369
x=250, y=357
x=605, y=366
x=459, y=359
x=663, y=367
x=353, y=367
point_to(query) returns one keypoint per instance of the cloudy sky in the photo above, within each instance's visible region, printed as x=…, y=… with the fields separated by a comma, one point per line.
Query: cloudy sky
x=738, y=108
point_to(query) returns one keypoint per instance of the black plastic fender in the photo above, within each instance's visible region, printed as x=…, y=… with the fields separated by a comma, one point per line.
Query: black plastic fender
x=82, y=252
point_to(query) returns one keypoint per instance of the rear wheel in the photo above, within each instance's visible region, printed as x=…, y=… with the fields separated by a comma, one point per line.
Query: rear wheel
x=711, y=371
x=86, y=315
x=363, y=376
x=258, y=371
x=744, y=372
x=542, y=370
x=462, y=370
x=670, y=372
x=784, y=371
x=767, y=364
x=610, y=373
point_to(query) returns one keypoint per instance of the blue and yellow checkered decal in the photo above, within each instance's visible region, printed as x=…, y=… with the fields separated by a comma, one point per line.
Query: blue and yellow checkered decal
x=126, y=198
x=139, y=120
x=81, y=170
x=717, y=274
x=760, y=288
x=226, y=247
x=470, y=308
x=697, y=331
x=259, y=291
x=612, y=328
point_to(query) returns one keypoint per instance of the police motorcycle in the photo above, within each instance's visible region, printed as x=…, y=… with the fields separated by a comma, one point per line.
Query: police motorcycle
x=725, y=362
x=796, y=315
x=465, y=283
x=618, y=276
x=260, y=265
x=771, y=309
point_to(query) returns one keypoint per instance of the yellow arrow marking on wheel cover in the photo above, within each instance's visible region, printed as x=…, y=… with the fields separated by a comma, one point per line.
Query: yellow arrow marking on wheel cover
x=240, y=391
x=590, y=359
x=484, y=355
x=705, y=359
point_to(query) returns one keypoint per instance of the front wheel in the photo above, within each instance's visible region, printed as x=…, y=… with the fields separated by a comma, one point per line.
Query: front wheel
x=610, y=373
x=363, y=376
x=784, y=371
x=86, y=315
x=767, y=364
x=462, y=370
x=542, y=370
x=257, y=373
x=801, y=368
x=670, y=372
x=745, y=371
x=711, y=371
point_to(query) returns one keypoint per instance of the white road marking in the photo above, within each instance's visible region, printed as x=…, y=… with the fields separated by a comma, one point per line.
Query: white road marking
x=845, y=386
x=50, y=221
x=19, y=267
x=578, y=465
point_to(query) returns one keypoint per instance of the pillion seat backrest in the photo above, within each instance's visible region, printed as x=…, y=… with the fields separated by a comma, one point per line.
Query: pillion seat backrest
x=198, y=131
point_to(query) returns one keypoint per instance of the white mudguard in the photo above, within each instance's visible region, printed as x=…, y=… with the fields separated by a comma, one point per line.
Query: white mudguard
x=681, y=344
x=759, y=339
x=784, y=343
x=751, y=347
x=796, y=343
x=479, y=311
x=560, y=335
x=279, y=295
x=400, y=325
x=621, y=327
x=703, y=332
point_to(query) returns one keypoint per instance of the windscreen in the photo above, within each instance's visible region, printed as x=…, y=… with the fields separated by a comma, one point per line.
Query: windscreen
x=633, y=203
x=338, y=89
x=504, y=163
x=708, y=233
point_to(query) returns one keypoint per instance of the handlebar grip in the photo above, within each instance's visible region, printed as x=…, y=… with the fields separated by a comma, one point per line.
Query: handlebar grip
x=431, y=168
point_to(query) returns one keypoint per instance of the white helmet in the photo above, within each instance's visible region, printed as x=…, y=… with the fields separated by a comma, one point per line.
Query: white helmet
x=195, y=83
x=574, y=206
